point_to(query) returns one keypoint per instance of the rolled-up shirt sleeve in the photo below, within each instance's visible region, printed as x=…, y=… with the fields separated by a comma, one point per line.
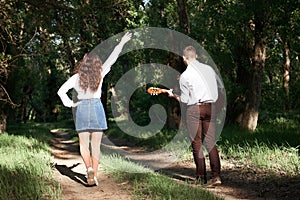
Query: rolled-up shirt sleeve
x=62, y=92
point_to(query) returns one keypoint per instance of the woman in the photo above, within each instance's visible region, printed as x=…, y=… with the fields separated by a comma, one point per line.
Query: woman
x=90, y=119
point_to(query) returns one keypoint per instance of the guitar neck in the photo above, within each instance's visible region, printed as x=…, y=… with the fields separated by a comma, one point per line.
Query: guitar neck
x=156, y=91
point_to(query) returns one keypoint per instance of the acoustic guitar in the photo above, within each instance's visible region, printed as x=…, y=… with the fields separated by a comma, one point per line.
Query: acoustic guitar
x=157, y=91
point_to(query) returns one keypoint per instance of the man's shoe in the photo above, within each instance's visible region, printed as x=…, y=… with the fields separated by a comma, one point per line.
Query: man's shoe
x=213, y=182
x=90, y=176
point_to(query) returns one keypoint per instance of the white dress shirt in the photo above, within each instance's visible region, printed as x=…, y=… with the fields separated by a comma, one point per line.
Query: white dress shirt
x=198, y=84
x=73, y=81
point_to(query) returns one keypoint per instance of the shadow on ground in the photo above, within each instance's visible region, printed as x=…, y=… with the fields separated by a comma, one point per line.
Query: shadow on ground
x=242, y=183
x=67, y=171
x=237, y=182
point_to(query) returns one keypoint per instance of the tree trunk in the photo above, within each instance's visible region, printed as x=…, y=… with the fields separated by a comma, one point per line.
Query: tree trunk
x=286, y=74
x=176, y=62
x=257, y=58
x=2, y=122
x=250, y=114
x=183, y=16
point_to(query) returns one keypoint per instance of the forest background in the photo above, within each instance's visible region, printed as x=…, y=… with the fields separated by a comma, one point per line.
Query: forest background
x=254, y=43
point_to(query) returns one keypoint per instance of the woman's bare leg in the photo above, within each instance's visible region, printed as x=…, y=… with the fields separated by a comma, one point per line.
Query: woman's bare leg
x=84, y=142
x=95, y=147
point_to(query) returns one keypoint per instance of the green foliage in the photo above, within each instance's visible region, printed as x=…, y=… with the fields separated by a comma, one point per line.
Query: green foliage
x=25, y=169
x=157, y=141
x=39, y=132
x=41, y=42
x=140, y=104
x=46, y=40
x=226, y=30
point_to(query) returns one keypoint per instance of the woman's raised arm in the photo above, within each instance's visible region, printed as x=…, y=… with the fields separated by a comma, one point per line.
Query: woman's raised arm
x=115, y=54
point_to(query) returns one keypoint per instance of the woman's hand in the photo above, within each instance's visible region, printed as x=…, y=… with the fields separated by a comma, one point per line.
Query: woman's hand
x=126, y=38
x=76, y=104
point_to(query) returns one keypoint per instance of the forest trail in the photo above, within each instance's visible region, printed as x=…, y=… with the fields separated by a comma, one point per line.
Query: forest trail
x=238, y=182
x=70, y=173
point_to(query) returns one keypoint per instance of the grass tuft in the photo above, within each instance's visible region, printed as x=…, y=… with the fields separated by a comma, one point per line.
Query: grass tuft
x=148, y=184
x=25, y=167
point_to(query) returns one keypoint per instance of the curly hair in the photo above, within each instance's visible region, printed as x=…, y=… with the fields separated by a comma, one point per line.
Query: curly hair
x=89, y=70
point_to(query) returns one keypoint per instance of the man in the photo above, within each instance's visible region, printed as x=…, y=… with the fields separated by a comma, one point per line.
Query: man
x=199, y=91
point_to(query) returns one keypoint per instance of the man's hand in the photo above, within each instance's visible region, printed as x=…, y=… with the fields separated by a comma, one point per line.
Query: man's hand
x=172, y=95
x=170, y=92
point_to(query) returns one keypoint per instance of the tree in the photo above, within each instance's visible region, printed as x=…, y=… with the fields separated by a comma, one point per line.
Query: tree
x=257, y=58
x=266, y=18
x=255, y=45
x=12, y=39
x=237, y=34
x=285, y=32
x=43, y=41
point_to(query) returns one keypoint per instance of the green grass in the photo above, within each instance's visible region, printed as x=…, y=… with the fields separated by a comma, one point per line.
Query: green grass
x=25, y=158
x=273, y=147
x=148, y=184
x=273, y=159
x=25, y=164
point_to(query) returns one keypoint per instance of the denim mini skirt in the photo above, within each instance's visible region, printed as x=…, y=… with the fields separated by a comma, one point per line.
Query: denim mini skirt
x=90, y=116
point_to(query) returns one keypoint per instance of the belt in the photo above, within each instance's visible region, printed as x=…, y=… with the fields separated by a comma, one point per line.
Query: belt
x=202, y=104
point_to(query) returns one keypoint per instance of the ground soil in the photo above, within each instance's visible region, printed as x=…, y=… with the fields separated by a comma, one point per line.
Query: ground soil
x=71, y=174
x=238, y=182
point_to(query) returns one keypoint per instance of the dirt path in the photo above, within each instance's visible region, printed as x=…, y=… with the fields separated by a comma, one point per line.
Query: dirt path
x=238, y=182
x=243, y=183
x=70, y=173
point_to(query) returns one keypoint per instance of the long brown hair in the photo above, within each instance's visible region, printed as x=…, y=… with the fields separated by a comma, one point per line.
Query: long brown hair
x=89, y=70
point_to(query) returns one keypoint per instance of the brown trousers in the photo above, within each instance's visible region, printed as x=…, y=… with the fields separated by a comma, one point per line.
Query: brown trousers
x=201, y=124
